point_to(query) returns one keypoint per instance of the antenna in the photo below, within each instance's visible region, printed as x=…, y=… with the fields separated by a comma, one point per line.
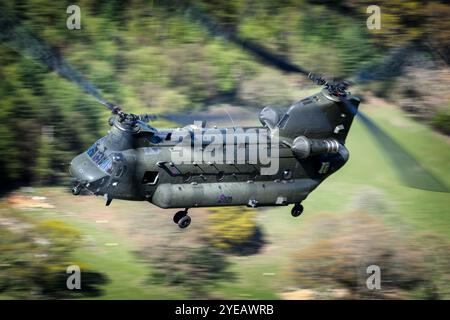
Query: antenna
x=229, y=116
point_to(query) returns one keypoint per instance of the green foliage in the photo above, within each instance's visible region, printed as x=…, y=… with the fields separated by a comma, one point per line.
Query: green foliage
x=196, y=269
x=403, y=21
x=357, y=240
x=34, y=256
x=234, y=229
x=43, y=168
x=441, y=119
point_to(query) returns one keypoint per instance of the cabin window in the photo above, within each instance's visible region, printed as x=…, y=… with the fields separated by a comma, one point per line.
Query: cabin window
x=150, y=177
x=306, y=101
x=283, y=121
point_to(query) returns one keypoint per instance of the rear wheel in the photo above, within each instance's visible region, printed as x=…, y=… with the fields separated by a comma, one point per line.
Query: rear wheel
x=184, y=222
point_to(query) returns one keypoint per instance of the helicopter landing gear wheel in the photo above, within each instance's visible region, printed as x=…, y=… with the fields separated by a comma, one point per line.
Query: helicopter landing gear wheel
x=76, y=190
x=297, y=210
x=184, y=222
x=180, y=214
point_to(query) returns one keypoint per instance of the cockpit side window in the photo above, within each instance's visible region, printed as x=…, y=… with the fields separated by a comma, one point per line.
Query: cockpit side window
x=283, y=121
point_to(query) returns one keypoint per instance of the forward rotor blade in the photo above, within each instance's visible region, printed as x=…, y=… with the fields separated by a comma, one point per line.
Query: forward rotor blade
x=144, y=127
x=24, y=42
x=411, y=171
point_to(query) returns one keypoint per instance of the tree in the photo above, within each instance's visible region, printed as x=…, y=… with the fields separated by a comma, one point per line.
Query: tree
x=234, y=229
x=358, y=241
x=34, y=257
x=197, y=269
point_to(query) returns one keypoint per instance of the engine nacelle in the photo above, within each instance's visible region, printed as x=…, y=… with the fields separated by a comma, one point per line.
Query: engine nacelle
x=303, y=147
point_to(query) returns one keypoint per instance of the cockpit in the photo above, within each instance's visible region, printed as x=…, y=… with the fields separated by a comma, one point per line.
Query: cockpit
x=92, y=170
x=100, y=158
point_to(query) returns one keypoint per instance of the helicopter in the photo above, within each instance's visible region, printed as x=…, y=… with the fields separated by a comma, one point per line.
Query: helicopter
x=134, y=161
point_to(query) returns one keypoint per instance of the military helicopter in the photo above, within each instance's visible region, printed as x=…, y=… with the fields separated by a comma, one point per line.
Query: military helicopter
x=134, y=160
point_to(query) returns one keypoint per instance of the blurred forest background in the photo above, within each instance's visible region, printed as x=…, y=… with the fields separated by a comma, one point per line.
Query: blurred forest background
x=158, y=57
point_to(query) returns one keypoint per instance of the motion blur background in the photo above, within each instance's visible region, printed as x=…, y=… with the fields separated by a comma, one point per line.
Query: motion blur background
x=159, y=57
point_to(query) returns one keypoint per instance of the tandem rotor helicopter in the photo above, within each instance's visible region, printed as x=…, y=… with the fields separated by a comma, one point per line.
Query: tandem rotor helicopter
x=133, y=161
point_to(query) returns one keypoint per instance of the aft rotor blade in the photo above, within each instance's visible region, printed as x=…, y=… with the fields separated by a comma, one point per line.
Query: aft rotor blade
x=412, y=172
x=390, y=66
x=254, y=48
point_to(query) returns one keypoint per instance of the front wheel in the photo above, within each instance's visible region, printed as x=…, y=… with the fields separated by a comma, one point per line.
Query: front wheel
x=177, y=216
x=297, y=210
x=76, y=190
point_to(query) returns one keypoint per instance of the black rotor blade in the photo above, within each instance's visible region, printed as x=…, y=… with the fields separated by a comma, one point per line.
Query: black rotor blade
x=390, y=66
x=21, y=40
x=254, y=48
x=266, y=56
x=144, y=127
x=411, y=171
x=393, y=64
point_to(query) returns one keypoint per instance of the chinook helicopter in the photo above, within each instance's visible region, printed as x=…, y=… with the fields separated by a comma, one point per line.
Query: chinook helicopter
x=134, y=160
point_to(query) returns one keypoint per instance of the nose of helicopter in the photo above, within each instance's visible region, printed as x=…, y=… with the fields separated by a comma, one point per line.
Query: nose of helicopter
x=85, y=173
x=84, y=169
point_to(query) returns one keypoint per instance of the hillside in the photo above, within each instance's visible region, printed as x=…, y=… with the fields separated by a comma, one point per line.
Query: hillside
x=116, y=239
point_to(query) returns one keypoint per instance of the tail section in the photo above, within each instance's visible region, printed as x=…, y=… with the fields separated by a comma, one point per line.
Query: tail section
x=316, y=129
x=319, y=116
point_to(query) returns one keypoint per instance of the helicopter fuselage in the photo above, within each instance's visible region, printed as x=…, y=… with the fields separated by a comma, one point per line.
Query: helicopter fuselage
x=133, y=164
